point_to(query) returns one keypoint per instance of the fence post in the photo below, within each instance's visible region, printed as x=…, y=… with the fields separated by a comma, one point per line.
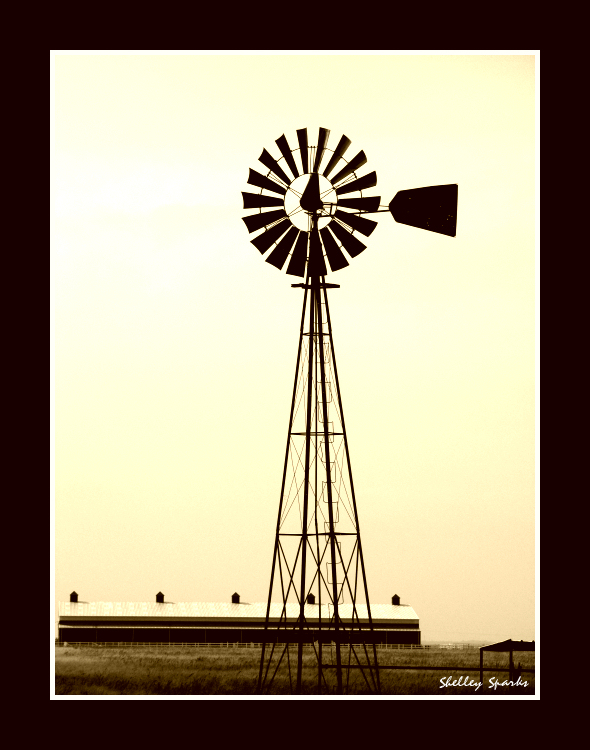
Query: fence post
x=481, y=665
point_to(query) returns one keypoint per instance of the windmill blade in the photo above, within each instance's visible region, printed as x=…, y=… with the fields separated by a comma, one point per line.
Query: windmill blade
x=317, y=264
x=286, y=152
x=302, y=138
x=279, y=255
x=259, y=180
x=266, y=239
x=322, y=142
x=368, y=181
x=364, y=226
x=298, y=260
x=343, y=144
x=335, y=255
x=257, y=221
x=255, y=200
x=351, y=244
x=361, y=204
x=273, y=165
x=433, y=208
x=351, y=167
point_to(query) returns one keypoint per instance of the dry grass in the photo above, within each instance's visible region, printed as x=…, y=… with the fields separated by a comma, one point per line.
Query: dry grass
x=147, y=670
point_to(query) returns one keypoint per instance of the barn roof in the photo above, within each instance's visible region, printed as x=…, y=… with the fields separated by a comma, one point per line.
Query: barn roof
x=206, y=611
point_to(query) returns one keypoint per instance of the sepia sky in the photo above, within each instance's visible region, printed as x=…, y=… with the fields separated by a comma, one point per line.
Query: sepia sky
x=175, y=343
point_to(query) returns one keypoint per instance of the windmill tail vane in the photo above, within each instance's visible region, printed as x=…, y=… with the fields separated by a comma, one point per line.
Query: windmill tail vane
x=319, y=633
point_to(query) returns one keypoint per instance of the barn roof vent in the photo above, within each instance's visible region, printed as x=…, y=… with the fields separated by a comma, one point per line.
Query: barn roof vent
x=235, y=598
x=160, y=597
x=73, y=597
x=310, y=599
x=395, y=600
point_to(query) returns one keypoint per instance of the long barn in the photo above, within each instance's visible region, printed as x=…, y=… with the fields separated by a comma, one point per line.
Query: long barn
x=222, y=622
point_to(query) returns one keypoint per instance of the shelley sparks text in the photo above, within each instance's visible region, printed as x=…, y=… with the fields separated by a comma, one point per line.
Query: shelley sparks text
x=463, y=681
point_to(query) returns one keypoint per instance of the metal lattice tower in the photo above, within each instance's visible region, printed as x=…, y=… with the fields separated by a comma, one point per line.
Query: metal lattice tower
x=318, y=569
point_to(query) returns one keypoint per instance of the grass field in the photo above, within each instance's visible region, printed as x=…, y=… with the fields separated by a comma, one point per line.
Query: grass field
x=87, y=670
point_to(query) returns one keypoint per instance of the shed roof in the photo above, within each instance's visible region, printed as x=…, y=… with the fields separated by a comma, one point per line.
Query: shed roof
x=203, y=611
x=510, y=645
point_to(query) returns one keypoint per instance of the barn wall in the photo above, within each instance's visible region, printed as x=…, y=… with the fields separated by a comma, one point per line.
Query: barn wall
x=189, y=634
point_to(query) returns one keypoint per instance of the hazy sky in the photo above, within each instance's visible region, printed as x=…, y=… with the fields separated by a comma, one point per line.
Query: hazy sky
x=175, y=344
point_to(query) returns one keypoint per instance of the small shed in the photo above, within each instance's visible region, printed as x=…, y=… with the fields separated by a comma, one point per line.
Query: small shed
x=509, y=646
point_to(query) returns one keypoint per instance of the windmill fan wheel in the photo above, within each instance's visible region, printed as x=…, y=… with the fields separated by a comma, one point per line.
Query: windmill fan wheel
x=315, y=216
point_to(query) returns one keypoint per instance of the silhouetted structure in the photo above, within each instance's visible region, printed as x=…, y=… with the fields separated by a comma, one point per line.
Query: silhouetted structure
x=509, y=647
x=318, y=549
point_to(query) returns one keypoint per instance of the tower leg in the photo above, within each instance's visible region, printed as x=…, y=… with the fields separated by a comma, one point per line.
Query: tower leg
x=276, y=547
x=302, y=590
x=332, y=533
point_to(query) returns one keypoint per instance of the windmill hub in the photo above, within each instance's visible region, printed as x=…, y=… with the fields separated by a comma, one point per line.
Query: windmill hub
x=300, y=217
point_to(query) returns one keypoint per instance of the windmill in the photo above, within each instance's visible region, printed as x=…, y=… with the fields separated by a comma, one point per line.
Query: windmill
x=318, y=575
